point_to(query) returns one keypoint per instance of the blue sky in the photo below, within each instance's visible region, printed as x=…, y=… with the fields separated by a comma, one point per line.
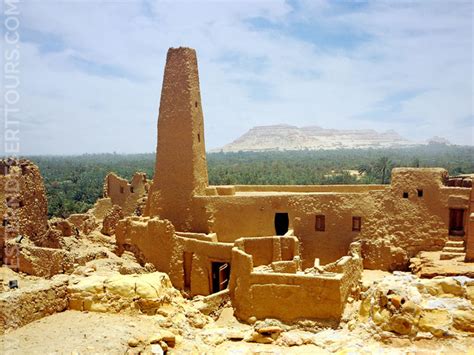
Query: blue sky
x=91, y=71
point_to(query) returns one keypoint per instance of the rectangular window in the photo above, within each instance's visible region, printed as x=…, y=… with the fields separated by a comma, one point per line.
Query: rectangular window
x=356, y=224
x=131, y=189
x=320, y=225
x=405, y=195
x=420, y=192
x=122, y=190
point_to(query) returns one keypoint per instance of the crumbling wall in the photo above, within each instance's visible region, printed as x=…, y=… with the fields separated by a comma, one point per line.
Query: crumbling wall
x=393, y=228
x=23, y=203
x=38, y=261
x=124, y=194
x=404, y=223
x=155, y=241
x=290, y=297
x=22, y=306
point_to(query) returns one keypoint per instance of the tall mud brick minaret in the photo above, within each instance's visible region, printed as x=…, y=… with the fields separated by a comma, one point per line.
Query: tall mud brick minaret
x=181, y=167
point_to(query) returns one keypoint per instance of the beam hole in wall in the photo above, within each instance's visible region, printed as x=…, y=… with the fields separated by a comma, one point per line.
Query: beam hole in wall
x=405, y=195
x=220, y=276
x=356, y=224
x=187, y=268
x=420, y=192
x=282, y=223
x=320, y=223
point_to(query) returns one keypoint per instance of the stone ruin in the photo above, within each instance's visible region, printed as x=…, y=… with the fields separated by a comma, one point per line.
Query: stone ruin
x=290, y=253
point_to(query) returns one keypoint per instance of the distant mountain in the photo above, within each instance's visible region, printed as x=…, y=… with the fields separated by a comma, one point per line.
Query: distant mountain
x=286, y=137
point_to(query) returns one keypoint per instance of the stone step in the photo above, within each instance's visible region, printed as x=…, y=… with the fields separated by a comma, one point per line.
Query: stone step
x=453, y=238
x=454, y=243
x=449, y=256
x=453, y=249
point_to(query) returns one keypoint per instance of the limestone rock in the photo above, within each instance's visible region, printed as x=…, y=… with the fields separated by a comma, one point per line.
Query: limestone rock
x=145, y=293
x=435, y=321
x=464, y=320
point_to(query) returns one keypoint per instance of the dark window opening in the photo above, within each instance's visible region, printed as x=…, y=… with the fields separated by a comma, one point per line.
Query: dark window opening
x=131, y=189
x=199, y=138
x=420, y=192
x=187, y=266
x=122, y=190
x=195, y=104
x=405, y=195
x=456, y=222
x=24, y=170
x=282, y=222
x=220, y=276
x=21, y=204
x=320, y=225
x=5, y=222
x=356, y=224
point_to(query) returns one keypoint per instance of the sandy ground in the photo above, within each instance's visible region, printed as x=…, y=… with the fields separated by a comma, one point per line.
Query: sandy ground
x=73, y=332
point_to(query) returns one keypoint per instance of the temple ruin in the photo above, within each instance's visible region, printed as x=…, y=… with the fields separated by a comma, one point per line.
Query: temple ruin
x=280, y=258
x=209, y=238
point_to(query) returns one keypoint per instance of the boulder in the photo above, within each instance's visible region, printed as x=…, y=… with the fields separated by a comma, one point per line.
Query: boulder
x=435, y=321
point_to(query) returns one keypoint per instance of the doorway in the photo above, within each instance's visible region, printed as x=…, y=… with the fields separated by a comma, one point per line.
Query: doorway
x=220, y=276
x=456, y=222
x=282, y=223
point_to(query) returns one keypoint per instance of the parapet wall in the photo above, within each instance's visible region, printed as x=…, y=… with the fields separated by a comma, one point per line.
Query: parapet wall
x=126, y=194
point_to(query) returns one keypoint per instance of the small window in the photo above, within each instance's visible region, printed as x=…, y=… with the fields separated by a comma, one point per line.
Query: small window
x=5, y=222
x=122, y=190
x=21, y=204
x=420, y=192
x=131, y=189
x=199, y=137
x=405, y=195
x=320, y=225
x=195, y=104
x=356, y=224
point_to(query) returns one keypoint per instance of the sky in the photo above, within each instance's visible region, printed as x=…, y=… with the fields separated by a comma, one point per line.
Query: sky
x=91, y=71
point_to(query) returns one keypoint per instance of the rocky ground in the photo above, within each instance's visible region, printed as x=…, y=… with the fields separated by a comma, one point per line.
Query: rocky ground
x=397, y=313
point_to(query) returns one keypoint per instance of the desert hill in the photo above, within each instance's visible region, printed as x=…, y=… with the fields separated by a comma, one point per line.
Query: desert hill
x=286, y=137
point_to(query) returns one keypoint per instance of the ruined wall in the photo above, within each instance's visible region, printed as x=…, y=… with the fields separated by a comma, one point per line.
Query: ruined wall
x=22, y=306
x=253, y=215
x=265, y=250
x=23, y=203
x=181, y=168
x=290, y=297
x=401, y=226
x=38, y=261
x=393, y=228
x=126, y=194
x=155, y=241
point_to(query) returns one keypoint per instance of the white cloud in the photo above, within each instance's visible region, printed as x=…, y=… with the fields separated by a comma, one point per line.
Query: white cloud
x=100, y=91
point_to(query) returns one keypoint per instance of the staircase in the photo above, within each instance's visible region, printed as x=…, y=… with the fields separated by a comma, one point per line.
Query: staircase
x=453, y=248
